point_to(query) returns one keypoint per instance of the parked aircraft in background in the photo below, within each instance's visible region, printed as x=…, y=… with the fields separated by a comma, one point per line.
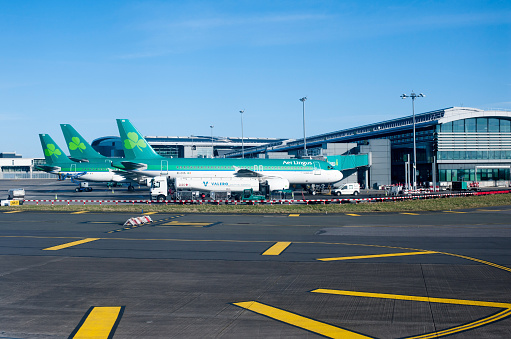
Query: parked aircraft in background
x=59, y=164
x=276, y=173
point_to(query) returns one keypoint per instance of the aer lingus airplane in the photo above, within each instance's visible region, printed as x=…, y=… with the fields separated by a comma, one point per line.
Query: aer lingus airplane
x=277, y=173
x=80, y=150
x=59, y=164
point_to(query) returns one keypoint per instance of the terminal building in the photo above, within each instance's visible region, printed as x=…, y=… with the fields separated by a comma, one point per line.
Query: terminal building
x=452, y=144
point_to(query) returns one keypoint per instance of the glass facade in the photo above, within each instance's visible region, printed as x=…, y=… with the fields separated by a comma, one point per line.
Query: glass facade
x=479, y=174
x=475, y=139
x=476, y=125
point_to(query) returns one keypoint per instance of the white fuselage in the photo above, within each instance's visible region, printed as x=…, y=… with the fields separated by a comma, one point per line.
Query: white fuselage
x=317, y=176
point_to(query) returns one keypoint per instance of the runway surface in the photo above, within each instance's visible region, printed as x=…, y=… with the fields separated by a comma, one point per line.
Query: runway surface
x=380, y=275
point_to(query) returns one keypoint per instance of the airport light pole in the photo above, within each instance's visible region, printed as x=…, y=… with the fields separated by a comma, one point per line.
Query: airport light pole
x=304, y=139
x=413, y=96
x=242, y=144
x=212, y=149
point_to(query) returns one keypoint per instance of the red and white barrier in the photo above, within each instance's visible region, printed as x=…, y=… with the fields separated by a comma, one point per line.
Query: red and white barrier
x=276, y=201
x=137, y=221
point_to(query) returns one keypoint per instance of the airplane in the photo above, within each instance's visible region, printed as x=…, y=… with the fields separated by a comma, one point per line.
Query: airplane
x=81, y=151
x=59, y=164
x=278, y=174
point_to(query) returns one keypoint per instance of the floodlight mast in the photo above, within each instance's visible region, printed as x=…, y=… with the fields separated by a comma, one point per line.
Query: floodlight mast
x=212, y=149
x=304, y=138
x=242, y=144
x=413, y=96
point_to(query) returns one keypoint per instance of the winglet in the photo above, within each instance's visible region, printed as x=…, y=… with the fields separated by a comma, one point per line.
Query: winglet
x=134, y=144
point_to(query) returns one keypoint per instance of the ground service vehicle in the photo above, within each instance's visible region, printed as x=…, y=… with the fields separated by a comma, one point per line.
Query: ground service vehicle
x=84, y=187
x=248, y=195
x=347, y=189
x=165, y=186
x=16, y=194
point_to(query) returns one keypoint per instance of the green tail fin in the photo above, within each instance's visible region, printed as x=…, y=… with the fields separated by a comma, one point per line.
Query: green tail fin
x=134, y=144
x=78, y=147
x=52, y=152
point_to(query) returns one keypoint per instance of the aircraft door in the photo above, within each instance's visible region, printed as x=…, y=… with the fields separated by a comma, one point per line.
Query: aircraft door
x=73, y=168
x=260, y=168
x=164, y=167
x=255, y=168
x=317, y=168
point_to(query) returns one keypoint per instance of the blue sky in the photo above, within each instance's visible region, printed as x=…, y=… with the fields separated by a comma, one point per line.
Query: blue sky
x=177, y=67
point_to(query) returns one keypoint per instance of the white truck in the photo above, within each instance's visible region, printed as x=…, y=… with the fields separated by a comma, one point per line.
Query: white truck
x=163, y=187
x=347, y=189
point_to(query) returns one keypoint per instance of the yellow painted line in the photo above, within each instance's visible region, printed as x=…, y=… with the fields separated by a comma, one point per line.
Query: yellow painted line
x=149, y=213
x=410, y=213
x=100, y=323
x=490, y=210
x=308, y=324
x=294, y=215
x=414, y=298
x=80, y=212
x=465, y=327
x=377, y=256
x=478, y=260
x=353, y=214
x=277, y=248
x=481, y=322
x=179, y=223
x=12, y=212
x=453, y=212
x=70, y=244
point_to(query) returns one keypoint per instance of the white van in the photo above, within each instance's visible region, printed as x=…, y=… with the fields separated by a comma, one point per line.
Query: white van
x=347, y=189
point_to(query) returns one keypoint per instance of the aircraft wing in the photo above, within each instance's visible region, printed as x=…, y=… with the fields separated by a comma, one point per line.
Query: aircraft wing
x=246, y=173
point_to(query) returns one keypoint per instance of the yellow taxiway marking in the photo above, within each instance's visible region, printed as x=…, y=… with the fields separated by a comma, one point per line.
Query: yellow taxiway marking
x=100, y=322
x=490, y=210
x=294, y=215
x=465, y=327
x=414, y=298
x=278, y=248
x=308, y=324
x=410, y=213
x=377, y=256
x=149, y=213
x=179, y=223
x=70, y=244
x=13, y=212
x=453, y=212
x=80, y=212
x=353, y=214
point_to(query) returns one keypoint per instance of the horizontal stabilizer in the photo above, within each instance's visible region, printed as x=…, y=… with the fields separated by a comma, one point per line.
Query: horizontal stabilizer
x=129, y=165
x=49, y=169
x=78, y=160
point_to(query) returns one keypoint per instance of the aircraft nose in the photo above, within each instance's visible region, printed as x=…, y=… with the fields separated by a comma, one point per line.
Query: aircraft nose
x=337, y=176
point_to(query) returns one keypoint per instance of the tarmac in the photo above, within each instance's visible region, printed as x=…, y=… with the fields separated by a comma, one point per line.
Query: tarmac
x=375, y=275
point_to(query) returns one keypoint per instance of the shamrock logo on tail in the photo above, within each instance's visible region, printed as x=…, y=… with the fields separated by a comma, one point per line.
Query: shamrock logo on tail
x=52, y=150
x=76, y=144
x=133, y=141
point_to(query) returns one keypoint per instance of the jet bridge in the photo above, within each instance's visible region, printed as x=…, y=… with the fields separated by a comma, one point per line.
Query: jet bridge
x=345, y=162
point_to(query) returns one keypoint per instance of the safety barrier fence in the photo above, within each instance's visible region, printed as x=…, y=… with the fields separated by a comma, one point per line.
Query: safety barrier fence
x=269, y=201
